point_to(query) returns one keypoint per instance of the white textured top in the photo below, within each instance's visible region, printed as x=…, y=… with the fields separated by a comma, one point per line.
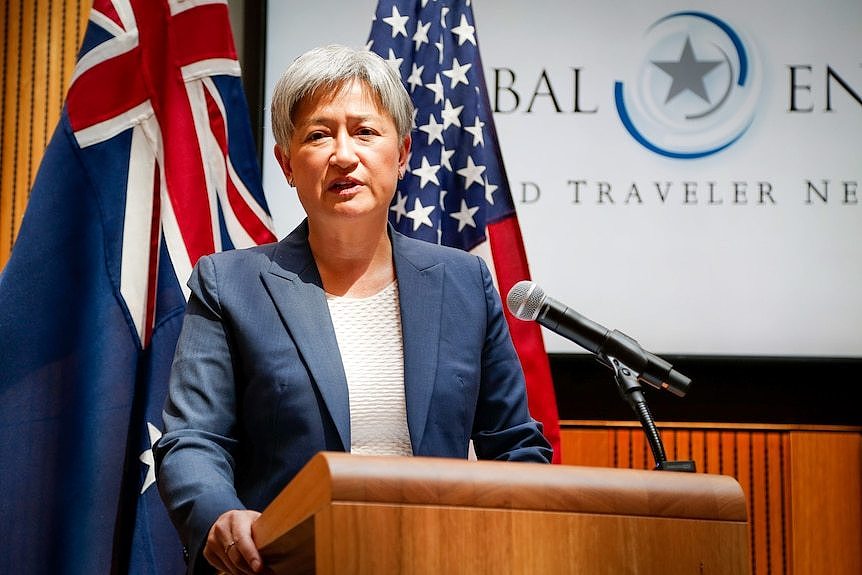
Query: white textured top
x=369, y=337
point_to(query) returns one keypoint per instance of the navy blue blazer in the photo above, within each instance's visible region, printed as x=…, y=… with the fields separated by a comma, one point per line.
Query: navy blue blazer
x=258, y=387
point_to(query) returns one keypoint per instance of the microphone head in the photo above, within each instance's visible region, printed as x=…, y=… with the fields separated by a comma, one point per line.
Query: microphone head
x=525, y=300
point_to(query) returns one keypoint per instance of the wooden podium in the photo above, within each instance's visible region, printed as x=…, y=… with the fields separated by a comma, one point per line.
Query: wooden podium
x=395, y=515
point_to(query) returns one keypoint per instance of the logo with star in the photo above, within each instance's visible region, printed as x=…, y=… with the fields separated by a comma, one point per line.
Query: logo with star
x=694, y=90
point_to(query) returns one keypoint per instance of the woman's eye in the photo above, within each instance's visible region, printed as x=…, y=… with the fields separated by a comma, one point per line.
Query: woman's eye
x=315, y=136
x=366, y=132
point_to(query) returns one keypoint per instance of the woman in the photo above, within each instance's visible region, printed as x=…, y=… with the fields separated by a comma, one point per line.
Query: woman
x=344, y=336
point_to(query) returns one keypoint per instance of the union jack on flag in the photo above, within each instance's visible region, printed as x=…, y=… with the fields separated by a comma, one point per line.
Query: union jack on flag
x=457, y=193
x=161, y=83
x=151, y=167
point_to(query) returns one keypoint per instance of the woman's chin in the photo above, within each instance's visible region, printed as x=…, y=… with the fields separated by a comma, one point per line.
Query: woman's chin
x=358, y=207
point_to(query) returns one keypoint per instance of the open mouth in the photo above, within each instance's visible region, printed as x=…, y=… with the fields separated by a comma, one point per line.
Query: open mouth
x=344, y=185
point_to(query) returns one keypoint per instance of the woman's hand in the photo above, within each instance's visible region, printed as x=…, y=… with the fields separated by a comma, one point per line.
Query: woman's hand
x=230, y=547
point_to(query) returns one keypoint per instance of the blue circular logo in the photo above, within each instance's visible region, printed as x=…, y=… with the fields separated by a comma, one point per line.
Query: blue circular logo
x=696, y=87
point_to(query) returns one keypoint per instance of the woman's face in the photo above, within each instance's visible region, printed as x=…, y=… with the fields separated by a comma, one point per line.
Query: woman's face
x=345, y=156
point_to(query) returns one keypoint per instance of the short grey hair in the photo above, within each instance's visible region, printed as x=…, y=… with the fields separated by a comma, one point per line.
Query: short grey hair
x=329, y=68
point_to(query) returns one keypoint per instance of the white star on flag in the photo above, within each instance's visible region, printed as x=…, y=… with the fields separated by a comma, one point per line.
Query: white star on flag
x=421, y=35
x=472, y=173
x=465, y=32
x=399, y=207
x=415, y=78
x=147, y=457
x=419, y=214
x=427, y=173
x=457, y=73
x=433, y=129
x=476, y=130
x=489, y=192
x=451, y=114
x=397, y=22
x=394, y=61
x=437, y=88
x=465, y=216
x=445, y=156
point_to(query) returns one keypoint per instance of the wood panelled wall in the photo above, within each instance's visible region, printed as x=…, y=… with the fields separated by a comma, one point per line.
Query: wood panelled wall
x=803, y=485
x=40, y=43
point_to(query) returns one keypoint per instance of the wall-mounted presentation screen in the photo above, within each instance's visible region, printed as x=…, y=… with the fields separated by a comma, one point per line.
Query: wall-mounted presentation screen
x=687, y=173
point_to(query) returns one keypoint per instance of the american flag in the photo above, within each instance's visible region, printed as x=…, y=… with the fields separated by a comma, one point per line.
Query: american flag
x=152, y=166
x=456, y=192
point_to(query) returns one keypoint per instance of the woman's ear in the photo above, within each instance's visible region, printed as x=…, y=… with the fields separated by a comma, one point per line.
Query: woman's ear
x=283, y=159
x=404, y=155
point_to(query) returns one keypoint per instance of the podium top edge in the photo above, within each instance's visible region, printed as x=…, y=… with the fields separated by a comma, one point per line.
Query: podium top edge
x=529, y=486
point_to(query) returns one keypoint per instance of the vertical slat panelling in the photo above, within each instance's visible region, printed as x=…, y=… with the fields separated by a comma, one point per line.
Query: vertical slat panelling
x=744, y=477
x=26, y=97
x=45, y=69
x=712, y=457
x=787, y=494
x=755, y=459
x=12, y=47
x=4, y=65
x=760, y=500
x=803, y=489
x=728, y=456
x=683, y=445
x=775, y=481
x=641, y=455
x=18, y=111
x=622, y=453
x=668, y=438
x=697, y=440
x=36, y=141
x=40, y=43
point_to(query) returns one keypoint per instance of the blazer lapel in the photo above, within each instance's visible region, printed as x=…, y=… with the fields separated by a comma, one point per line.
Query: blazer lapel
x=420, y=288
x=301, y=302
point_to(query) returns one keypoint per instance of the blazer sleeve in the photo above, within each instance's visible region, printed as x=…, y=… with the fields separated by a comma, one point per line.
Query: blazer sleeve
x=195, y=456
x=503, y=428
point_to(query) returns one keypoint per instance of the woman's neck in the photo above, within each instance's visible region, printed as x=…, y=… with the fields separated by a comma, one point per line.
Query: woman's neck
x=353, y=260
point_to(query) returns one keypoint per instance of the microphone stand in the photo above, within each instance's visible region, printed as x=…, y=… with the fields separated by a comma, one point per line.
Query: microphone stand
x=630, y=388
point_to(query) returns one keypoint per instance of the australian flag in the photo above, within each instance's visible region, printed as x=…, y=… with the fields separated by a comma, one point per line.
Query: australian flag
x=151, y=166
x=456, y=192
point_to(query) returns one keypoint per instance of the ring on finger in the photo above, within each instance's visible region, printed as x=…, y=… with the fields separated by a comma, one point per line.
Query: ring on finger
x=227, y=547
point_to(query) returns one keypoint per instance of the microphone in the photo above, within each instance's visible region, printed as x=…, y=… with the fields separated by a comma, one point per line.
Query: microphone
x=527, y=301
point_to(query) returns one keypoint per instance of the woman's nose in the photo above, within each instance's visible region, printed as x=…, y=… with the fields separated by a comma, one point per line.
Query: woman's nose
x=344, y=154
